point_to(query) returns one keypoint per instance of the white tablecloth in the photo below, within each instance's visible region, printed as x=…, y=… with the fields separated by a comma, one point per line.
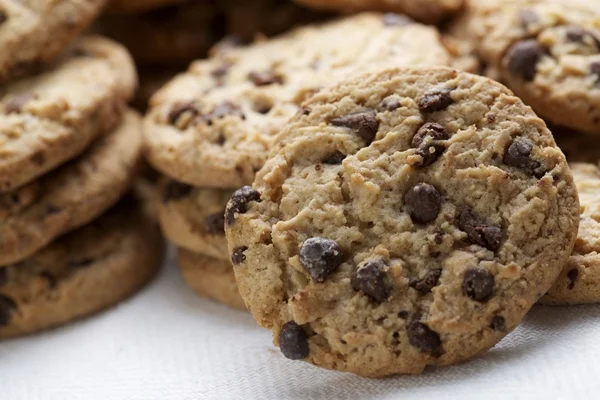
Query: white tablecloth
x=168, y=344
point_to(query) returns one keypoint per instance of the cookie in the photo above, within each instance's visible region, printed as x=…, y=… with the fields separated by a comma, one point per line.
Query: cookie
x=213, y=126
x=193, y=218
x=136, y=6
x=407, y=218
x=81, y=273
x=76, y=193
x=185, y=32
x=32, y=34
x=546, y=51
x=50, y=118
x=210, y=278
x=426, y=11
x=579, y=281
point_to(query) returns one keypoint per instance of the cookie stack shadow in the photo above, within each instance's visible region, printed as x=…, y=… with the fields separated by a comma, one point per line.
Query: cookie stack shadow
x=77, y=233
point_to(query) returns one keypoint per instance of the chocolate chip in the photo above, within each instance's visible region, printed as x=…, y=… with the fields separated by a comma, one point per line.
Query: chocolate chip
x=221, y=71
x=391, y=103
x=320, y=257
x=392, y=19
x=595, y=69
x=175, y=190
x=238, y=204
x=427, y=282
x=578, y=34
x=423, y=338
x=179, y=109
x=335, y=158
x=518, y=155
x=403, y=314
x=523, y=58
x=423, y=203
x=293, y=341
x=16, y=104
x=221, y=140
x=38, y=158
x=478, y=231
x=7, y=306
x=498, y=323
x=478, y=284
x=572, y=274
x=238, y=256
x=264, y=78
x=215, y=224
x=224, y=109
x=429, y=142
x=3, y=17
x=370, y=278
x=364, y=123
x=528, y=17
x=436, y=99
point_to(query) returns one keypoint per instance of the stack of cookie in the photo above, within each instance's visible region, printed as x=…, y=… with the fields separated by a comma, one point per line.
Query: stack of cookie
x=210, y=129
x=69, y=150
x=164, y=36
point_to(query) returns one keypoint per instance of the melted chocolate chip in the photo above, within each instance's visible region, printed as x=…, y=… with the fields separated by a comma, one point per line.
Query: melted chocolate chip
x=423, y=338
x=238, y=204
x=436, y=99
x=293, y=341
x=238, y=256
x=335, y=159
x=478, y=284
x=523, y=58
x=181, y=108
x=478, y=231
x=225, y=109
x=578, y=35
x=320, y=257
x=423, y=203
x=370, y=278
x=427, y=282
x=215, y=224
x=429, y=142
x=264, y=78
x=518, y=155
x=498, y=323
x=7, y=306
x=16, y=104
x=175, y=191
x=392, y=19
x=364, y=123
x=572, y=274
x=391, y=103
x=403, y=314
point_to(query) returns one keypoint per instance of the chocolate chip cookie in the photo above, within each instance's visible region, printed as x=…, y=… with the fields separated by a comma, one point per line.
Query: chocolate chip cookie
x=33, y=33
x=210, y=277
x=70, y=196
x=426, y=11
x=83, y=272
x=579, y=281
x=50, y=118
x=193, y=218
x=213, y=126
x=546, y=51
x=407, y=217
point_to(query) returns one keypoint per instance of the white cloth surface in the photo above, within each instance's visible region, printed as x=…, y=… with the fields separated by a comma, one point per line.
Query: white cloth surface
x=167, y=344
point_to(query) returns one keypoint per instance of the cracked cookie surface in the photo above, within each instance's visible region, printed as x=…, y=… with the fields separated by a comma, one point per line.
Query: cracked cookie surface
x=213, y=126
x=407, y=217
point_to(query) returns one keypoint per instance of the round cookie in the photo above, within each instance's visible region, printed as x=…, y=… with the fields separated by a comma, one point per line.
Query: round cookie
x=83, y=272
x=210, y=278
x=579, y=281
x=33, y=33
x=74, y=194
x=408, y=217
x=213, y=125
x=192, y=218
x=50, y=118
x=546, y=51
x=426, y=11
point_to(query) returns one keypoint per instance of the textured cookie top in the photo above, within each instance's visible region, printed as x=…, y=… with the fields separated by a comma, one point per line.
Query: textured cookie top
x=427, y=11
x=33, y=32
x=75, y=193
x=579, y=281
x=52, y=117
x=408, y=217
x=214, y=125
x=547, y=52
